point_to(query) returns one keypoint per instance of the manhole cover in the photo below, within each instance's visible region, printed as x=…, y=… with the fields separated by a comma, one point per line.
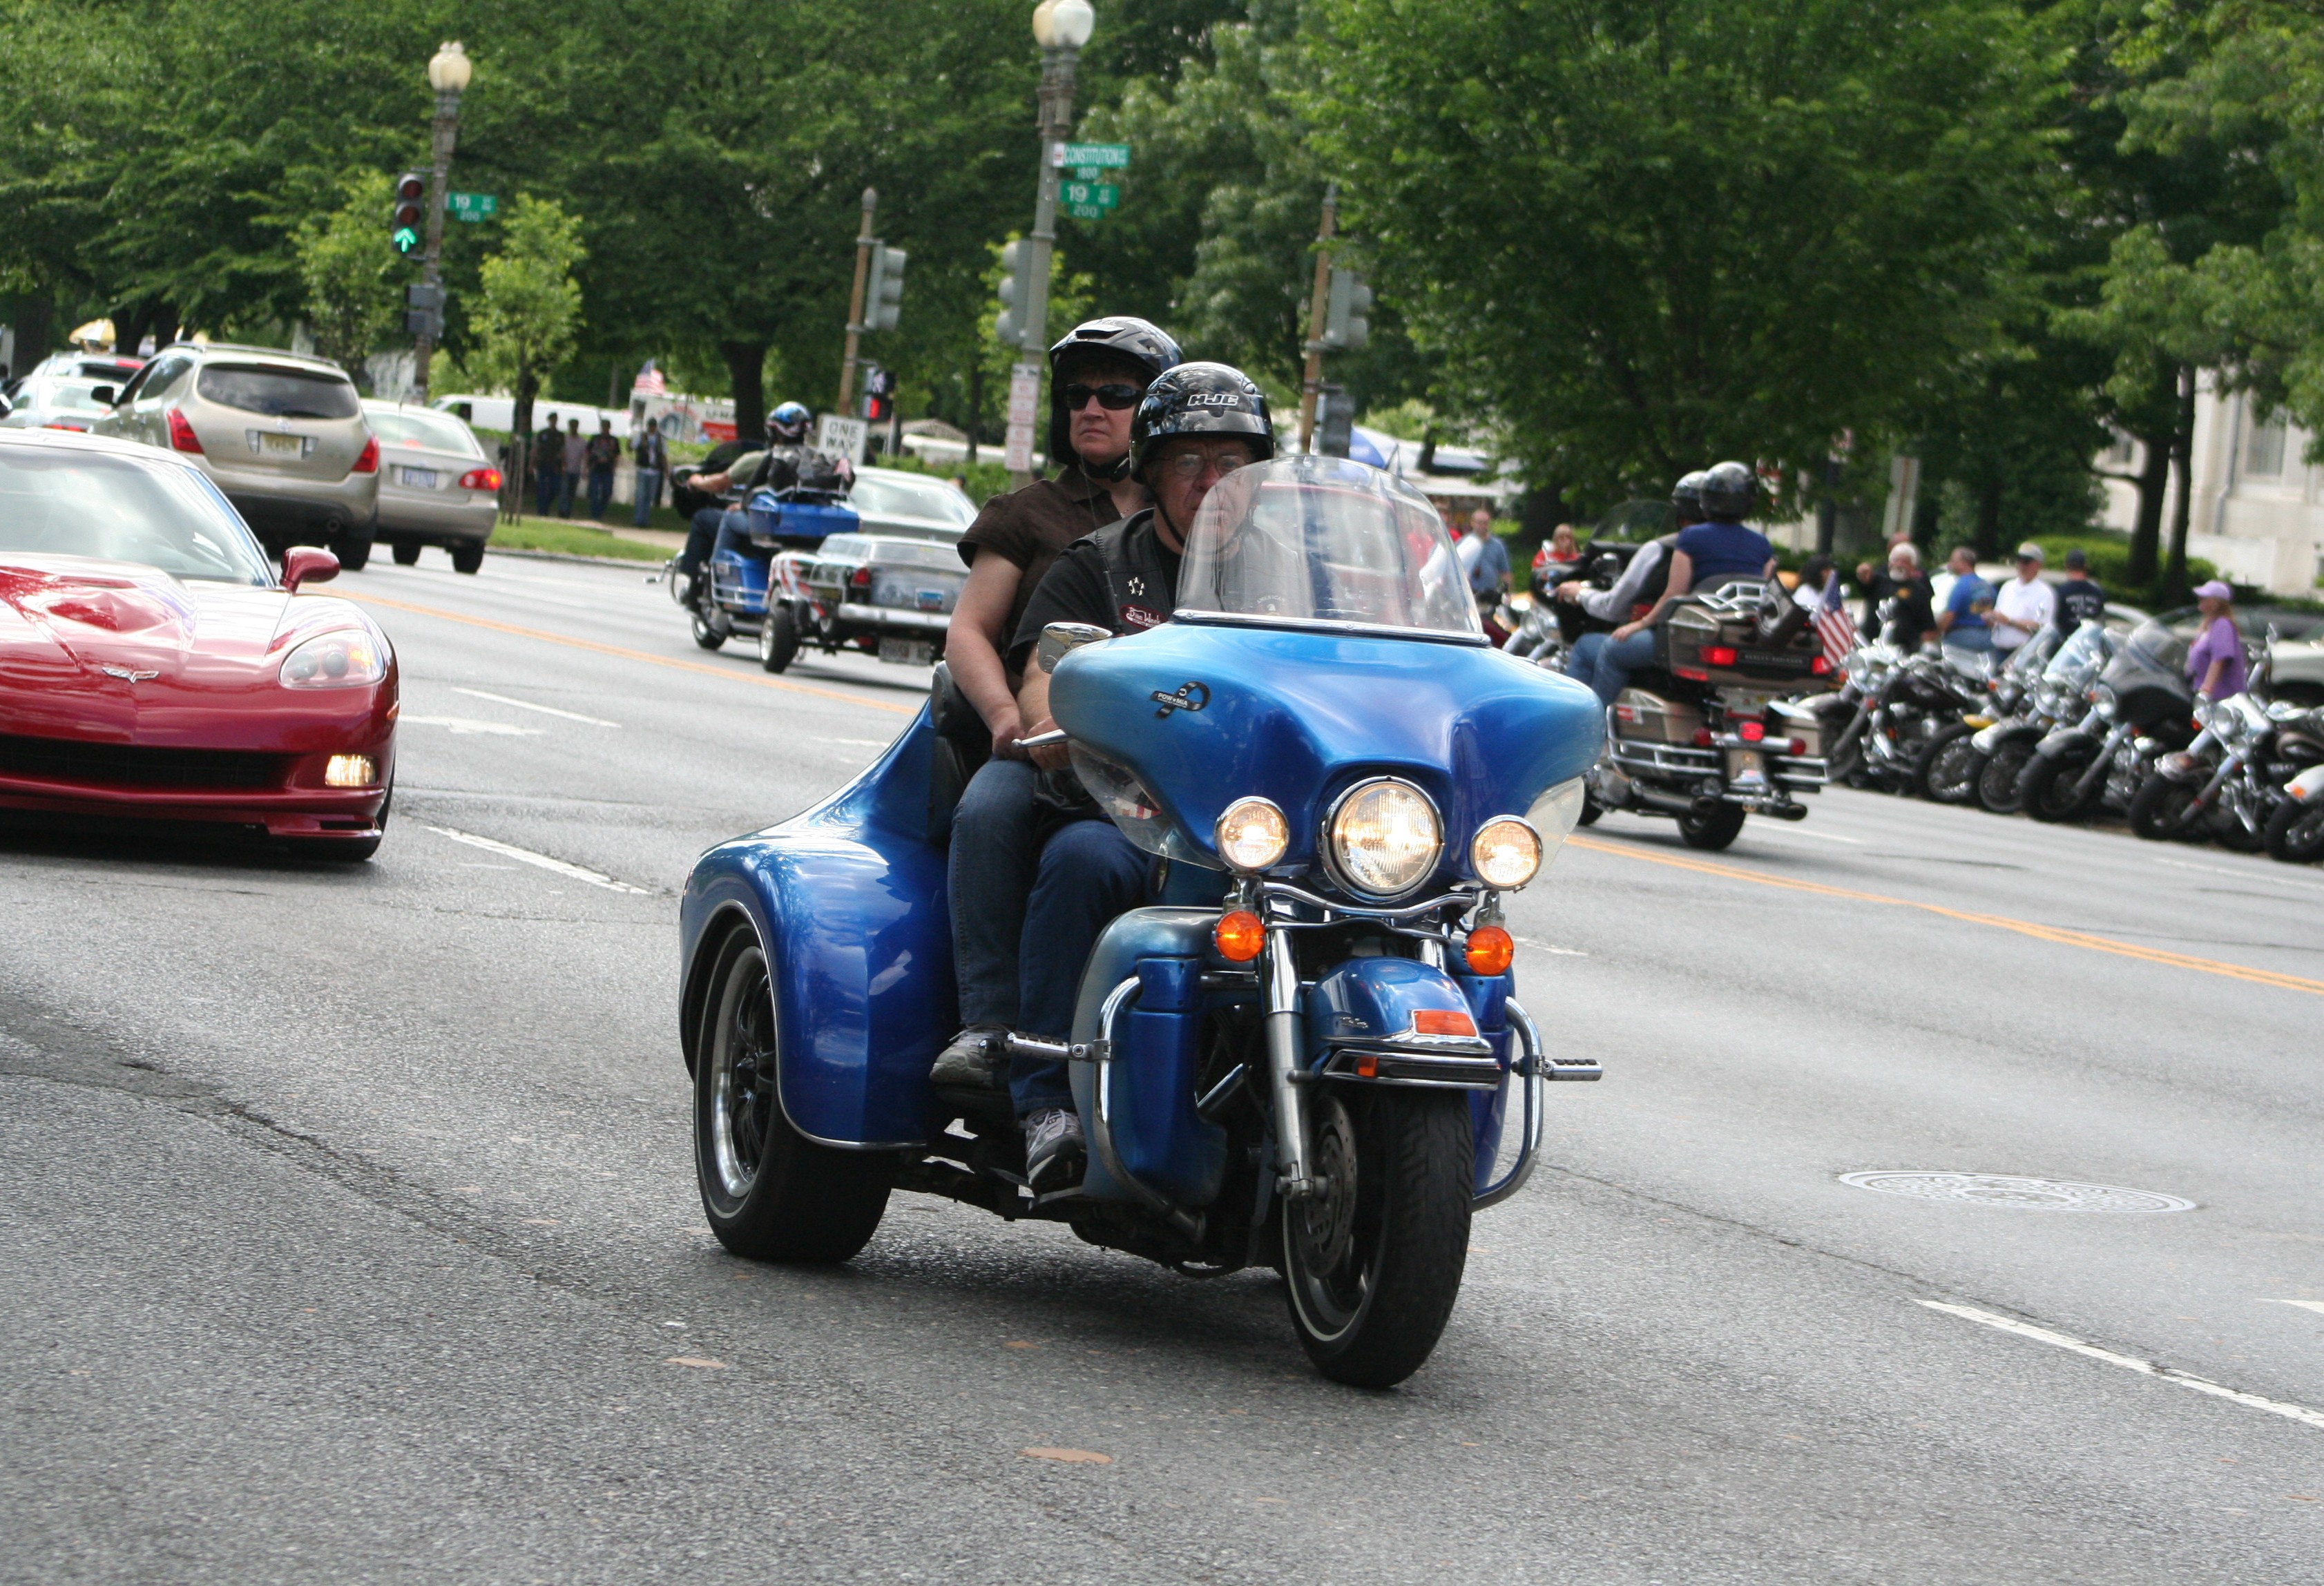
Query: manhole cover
x=2019, y=1194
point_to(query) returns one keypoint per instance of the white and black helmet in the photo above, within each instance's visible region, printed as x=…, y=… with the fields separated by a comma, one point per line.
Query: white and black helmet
x=1117, y=339
x=1729, y=492
x=1687, y=495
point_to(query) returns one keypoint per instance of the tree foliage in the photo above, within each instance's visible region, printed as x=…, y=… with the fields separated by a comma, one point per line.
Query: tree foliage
x=350, y=291
x=529, y=307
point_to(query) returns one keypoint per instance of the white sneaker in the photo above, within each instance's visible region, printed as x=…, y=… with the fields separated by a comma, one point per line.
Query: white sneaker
x=1054, y=1152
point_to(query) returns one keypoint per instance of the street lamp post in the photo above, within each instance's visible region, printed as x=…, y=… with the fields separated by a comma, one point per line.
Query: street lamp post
x=448, y=72
x=1061, y=27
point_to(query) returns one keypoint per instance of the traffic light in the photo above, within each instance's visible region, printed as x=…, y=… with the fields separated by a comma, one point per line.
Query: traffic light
x=423, y=305
x=879, y=394
x=884, y=289
x=1345, y=327
x=1335, y=421
x=1016, y=292
x=408, y=216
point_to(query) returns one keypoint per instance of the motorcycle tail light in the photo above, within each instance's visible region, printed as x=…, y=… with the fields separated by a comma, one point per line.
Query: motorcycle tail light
x=481, y=479
x=1239, y=935
x=182, y=437
x=1797, y=746
x=1444, y=1021
x=1491, y=951
x=1753, y=731
x=1702, y=737
x=1719, y=655
x=1820, y=666
x=367, y=459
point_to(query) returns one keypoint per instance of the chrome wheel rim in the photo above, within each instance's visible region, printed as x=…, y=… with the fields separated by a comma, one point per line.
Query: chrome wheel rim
x=742, y=1106
x=1327, y=1241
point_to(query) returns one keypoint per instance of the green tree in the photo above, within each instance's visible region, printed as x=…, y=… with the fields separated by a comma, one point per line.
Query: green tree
x=1649, y=236
x=528, y=308
x=349, y=277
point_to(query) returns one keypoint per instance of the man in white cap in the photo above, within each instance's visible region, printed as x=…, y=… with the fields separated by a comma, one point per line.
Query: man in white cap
x=2024, y=605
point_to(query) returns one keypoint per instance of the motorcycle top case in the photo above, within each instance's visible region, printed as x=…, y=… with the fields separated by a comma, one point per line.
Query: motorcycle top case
x=797, y=522
x=1728, y=651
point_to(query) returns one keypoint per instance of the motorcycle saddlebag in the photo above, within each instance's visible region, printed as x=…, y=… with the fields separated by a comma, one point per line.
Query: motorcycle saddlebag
x=1652, y=719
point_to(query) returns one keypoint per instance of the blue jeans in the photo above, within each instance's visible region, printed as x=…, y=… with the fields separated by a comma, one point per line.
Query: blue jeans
x=1976, y=641
x=601, y=492
x=1605, y=662
x=714, y=530
x=648, y=493
x=544, y=491
x=1089, y=872
x=995, y=830
x=565, y=483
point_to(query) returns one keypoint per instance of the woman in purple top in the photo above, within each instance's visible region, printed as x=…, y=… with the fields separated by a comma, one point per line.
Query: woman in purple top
x=2214, y=661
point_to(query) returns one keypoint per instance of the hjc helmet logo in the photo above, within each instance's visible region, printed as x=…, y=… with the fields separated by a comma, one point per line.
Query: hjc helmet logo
x=1215, y=398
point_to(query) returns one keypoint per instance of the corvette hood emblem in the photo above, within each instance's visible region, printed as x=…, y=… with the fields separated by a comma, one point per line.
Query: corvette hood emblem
x=124, y=674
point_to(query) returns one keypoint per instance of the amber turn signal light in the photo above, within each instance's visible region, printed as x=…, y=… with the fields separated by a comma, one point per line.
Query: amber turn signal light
x=1240, y=935
x=1491, y=950
x=1443, y=1022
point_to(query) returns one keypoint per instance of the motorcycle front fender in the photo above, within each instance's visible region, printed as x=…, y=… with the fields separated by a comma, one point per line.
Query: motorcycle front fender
x=2067, y=744
x=1989, y=739
x=2308, y=784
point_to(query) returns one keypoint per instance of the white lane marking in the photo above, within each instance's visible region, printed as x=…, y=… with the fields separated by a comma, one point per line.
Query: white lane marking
x=546, y=710
x=858, y=742
x=1545, y=947
x=2254, y=874
x=527, y=856
x=2310, y=1304
x=2301, y=1413
x=1804, y=830
x=463, y=725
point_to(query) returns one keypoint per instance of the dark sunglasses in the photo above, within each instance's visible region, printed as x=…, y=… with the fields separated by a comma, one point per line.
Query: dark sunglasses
x=1113, y=397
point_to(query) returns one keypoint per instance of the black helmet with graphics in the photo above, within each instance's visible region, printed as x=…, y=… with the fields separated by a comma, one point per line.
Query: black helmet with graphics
x=1118, y=340
x=1200, y=399
x=1729, y=492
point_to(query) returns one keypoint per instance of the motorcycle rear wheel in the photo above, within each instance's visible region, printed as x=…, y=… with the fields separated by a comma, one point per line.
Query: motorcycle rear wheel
x=1997, y=779
x=769, y=1193
x=1947, y=770
x=1372, y=1266
x=2295, y=832
x=2047, y=789
x=777, y=639
x=1714, y=831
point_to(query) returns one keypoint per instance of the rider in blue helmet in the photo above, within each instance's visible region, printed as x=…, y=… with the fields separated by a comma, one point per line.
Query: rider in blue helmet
x=776, y=465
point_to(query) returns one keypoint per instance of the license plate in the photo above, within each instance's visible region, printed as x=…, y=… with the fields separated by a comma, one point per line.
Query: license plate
x=1775, y=660
x=932, y=600
x=281, y=445
x=418, y=478
x=909, y=653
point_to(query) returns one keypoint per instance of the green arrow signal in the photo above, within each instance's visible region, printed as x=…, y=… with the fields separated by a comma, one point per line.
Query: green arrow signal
x=406, y=241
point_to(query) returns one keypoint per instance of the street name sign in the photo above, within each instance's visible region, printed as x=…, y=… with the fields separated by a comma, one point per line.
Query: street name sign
x=473, y=207
x=1091, y=156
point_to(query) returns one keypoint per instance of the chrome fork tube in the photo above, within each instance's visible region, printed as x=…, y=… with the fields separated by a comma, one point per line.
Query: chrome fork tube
x=1282, y=1067
x=2101, y=764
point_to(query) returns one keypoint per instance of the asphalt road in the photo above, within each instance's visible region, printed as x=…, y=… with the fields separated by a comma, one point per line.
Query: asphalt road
x=349, y=1232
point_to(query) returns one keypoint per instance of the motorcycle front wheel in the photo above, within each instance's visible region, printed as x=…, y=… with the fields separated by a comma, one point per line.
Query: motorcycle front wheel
x=1997, y=779
x=2163, y=811
x=706, y=634
x=2295, y=832
x=1947, y=770
x=1373, y=1262
x=769, y=1193
x=2047, y=788
x=1714, y=831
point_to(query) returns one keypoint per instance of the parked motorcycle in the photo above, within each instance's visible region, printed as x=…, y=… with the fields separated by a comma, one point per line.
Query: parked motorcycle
x=1707, y=736
x=2058, y=695
x=1951, y=765
x=1882, y=722
x=2295, y=832
x=2227, y=784
x=1304, y=1055
x=2140, y=707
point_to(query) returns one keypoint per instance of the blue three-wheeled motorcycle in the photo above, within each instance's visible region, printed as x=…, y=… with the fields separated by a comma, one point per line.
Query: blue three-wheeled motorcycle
x=1303, y=1054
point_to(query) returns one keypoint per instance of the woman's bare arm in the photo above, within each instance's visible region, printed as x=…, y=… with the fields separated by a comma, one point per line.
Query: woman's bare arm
x=971, y=647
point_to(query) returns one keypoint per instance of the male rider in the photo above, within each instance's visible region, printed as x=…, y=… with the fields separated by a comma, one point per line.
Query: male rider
x=1097, y=375
x=1639, y=587
x=1198, y=423
x=1719, y=547
x=773, y=467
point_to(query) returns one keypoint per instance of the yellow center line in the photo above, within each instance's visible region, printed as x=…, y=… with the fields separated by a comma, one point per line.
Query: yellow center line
x=707, y=670
x=2264, y=977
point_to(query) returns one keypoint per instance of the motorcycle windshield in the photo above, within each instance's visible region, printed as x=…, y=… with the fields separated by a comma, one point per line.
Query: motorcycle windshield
x=2078, y=660
x=2154, y=645
x=1316, y=541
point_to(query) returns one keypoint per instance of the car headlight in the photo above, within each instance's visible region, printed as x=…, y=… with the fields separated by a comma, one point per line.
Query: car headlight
x=1506, y=853
x=336, y=660
x=1385, y=838
x=1252, y=836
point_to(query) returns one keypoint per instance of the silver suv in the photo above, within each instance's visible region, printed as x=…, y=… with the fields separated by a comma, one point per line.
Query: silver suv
x=282, y=435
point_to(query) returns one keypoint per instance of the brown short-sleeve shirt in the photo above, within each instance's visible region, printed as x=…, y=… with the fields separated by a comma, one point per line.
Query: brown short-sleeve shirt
x=1032, y=526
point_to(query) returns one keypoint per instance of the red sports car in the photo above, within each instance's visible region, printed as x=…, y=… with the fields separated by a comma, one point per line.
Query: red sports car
x=153, y=667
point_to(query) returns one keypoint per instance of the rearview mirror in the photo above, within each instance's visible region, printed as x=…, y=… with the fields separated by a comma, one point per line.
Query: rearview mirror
x=308, y=564
x=103, y=394
x=1057, y=638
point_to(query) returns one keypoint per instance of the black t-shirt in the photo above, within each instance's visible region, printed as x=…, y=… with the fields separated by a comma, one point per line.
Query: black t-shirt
x=1915, y=609
x=1077, y=589
x=2079, y=600
x=1032, y=527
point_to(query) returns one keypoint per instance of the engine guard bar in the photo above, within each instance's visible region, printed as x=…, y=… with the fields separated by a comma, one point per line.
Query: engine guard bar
x=1537, y=1071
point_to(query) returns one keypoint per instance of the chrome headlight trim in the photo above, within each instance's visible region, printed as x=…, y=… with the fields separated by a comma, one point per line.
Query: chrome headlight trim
x=1255, y=811
x=1477, y=860
x=1335, y=862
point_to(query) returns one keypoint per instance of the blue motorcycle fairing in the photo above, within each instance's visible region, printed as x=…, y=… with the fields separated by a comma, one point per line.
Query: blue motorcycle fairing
x=738, y=582
x=850, y=902
x=1205, y=713
x=797, y=522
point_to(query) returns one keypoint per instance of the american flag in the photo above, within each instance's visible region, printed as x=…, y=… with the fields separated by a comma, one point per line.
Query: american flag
x=1837, y=634
x=650, y=383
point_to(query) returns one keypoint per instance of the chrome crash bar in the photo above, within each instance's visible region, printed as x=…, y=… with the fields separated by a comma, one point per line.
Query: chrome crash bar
x=1537, y=1069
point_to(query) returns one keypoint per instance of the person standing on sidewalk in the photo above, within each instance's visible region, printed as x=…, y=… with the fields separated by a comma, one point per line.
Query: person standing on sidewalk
x=2080, y=598
x=652, y=458
x=1962, y=622
x=576, y=458
x=603, y=452
x=2024, y=605
x=2214, y=661
x=547, y=466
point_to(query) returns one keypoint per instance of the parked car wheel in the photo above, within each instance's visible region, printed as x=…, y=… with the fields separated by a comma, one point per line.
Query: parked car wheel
x=407, y=552
x=467, y=556
x=777, y=639
x=351, y=547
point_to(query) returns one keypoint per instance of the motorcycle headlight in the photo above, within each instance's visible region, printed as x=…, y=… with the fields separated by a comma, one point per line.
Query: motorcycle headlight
x=1385, y=838
x=347, y=657
x=1251, y=836
x=1506, y=853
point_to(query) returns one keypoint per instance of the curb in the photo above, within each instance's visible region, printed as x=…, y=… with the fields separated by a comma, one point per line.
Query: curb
x=638, y=563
